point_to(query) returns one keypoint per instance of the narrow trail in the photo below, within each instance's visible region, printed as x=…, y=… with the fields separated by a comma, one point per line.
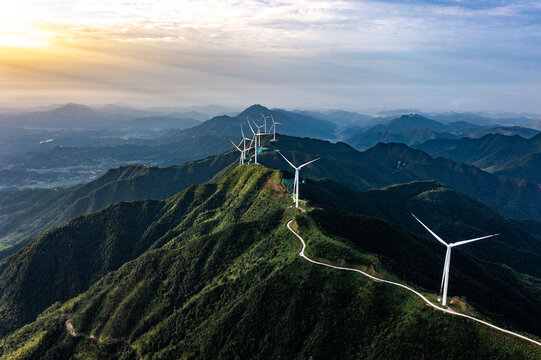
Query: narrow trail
x=451, y=312
x=71, y=331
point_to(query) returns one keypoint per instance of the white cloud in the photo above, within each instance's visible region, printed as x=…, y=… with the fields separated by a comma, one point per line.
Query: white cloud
x=339, y=48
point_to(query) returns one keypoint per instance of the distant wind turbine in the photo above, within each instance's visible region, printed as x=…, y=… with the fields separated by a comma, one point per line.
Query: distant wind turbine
x=255, y=139
x=273, y=127
x=244, y=139
x=296, y=181
x=446, y=265
x=242, y=150
x=264, y=122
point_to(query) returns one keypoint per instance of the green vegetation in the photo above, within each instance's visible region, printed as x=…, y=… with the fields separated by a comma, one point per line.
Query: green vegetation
x=511, y=156
x=377, y=167
x=25, y=214
x=451, y=214
x=215, y=274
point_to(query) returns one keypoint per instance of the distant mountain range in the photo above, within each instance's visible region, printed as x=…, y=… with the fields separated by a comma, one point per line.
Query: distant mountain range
x=388, y=164
x=212, y=272
x=75, y=116
x=511, y=156
x=292, y=123
x=105, y=137
x=25, y=214
x=416, y=129
x=77, y=156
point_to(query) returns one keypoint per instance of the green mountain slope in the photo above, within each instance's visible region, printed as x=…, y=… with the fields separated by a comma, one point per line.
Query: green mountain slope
x=224, y=280
x=28, y=213
x=25, y=214
x=511, y=156
x=379, y=167
x=451, y=214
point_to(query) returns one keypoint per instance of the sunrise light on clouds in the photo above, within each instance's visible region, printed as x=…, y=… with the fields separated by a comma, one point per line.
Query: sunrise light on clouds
x=350, y=54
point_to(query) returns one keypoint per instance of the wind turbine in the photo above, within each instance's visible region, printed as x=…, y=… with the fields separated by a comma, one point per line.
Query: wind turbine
x=296, y=181
x=265, y=122
x=241, y=162
x=446, y=265
x=255, y=139
x=244, y=139
x=242, y=150
x=273, y=127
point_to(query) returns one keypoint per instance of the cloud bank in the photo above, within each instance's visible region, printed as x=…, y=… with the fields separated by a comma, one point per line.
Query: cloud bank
x=465, y=55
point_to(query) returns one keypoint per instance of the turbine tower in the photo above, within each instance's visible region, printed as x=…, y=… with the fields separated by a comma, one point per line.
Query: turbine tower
x=446, y=265
x=242, y=150
x=254, y=140
x=273, y=127
x=296, y=181
x=244, y=139
x=264, y=122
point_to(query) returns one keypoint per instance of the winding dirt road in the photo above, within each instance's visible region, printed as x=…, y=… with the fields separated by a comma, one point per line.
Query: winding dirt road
x=448, y=311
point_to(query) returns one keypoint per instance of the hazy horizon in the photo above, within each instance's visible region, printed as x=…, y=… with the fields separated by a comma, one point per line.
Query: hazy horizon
x=220, y=109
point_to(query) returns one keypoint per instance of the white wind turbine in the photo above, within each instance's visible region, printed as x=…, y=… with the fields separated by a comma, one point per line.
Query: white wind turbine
x=273, y=127
x=256, y=138
x=244, y=139
x=296, y=180
x=242, y=150
x=241, y=162
x=264, y=122
x=446, y=265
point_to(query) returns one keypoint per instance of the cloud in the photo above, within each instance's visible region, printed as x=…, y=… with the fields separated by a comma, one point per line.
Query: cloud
x=354, y=53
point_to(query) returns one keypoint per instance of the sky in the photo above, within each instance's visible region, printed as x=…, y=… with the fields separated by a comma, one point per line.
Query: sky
x=431, y=55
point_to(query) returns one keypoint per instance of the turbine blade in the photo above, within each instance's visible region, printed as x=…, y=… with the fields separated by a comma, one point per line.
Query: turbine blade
x=472, y=240
x=248, y=121
x=235, y=145
x=242, y=132
x=308, y=163
x=289, y=162
x=430, y=231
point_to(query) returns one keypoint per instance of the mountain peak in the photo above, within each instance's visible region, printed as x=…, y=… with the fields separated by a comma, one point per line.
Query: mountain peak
x=254, y=111
x=414, y=121
x=72, y=109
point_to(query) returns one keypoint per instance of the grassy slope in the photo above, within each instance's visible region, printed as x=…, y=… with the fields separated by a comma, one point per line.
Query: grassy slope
x=228, y=284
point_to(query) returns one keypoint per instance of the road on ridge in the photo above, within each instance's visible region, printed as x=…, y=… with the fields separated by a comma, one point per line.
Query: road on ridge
x=447, y=311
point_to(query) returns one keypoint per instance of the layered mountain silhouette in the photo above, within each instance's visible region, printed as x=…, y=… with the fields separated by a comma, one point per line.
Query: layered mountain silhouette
x=416, y=129
x=292, y=123
x=511, y=156
x=26, y=214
